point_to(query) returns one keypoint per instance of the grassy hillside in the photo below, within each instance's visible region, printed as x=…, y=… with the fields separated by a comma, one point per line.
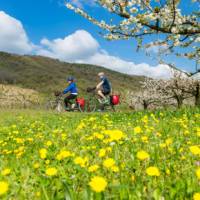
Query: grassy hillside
x=46, y=75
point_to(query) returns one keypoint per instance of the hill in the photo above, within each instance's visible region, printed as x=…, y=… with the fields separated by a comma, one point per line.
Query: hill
x=46, y=75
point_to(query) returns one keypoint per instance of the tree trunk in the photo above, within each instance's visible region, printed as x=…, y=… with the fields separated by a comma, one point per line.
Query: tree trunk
x=145, y=105
x=179, y=100
x=197, y=95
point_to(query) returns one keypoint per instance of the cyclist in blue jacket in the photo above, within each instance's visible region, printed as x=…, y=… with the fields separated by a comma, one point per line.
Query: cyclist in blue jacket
x=72, y=89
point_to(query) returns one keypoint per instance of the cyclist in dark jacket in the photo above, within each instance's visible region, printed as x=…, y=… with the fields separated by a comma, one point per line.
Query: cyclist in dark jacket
x=72, y=89
x=104, y=87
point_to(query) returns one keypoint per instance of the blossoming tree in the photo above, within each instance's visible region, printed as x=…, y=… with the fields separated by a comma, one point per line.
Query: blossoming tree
x=141, y=18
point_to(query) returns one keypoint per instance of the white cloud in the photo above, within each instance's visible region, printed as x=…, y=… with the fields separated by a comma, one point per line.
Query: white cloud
x=81, y=47
x=13, y=37
x=78, y=45
x=118, y=64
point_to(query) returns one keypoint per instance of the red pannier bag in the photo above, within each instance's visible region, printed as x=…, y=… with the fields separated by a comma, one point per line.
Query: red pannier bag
x=115, y=100
x=81, y=102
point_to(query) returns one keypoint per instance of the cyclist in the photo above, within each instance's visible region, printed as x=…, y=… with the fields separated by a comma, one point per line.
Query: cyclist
x=104, y=87
x=72, y=88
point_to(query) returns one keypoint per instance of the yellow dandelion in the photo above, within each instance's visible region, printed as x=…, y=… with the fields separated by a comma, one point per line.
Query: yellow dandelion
x=5, y=172
x=137, y=129
x=153, y=171
x=102, y=153
x=167, y=171
x=52, y=171
x=115, y=135
x=49, y=143
x=98, y=184
x=133, y=178
x=3, y=187
x=168, y=141
x=81, y=161
x=195, y=150
x=63, y=154
x=198, y=173
x=142, y=155
x=196, y=196
x=115, y=169
x=93, y=168
x=43, y=153
x=36, y=165
x=109, y=163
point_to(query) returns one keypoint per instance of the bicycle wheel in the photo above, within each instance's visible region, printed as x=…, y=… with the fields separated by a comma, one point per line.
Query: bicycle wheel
x=90, y=105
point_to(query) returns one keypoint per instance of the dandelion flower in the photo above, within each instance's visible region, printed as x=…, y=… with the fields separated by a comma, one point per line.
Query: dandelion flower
x=52, y=171
x=196, y=196
x=5, y=172
x=137, y=129
x=102, y=153
x=3, y=187
x=142, y=155
x=36, y=165
x=93, y=168
x=195, y=150
x=98, y=184
x=198, y=173
x=109, y=163
x=153, y=171
x=43, y=153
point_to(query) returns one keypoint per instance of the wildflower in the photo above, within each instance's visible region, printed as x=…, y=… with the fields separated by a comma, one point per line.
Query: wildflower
x=196, y=196
x=93, y=168
x=36, y=165
x=137, y=130
x=63, y=154
x=198, y=173
x=115, y=135
x=195, y=150
x=153, y=171
x=49, y=143
x=52, y=171
x=47, y=162
x=115, y=168
x=43, y=153
x=81, y=161
x=38, y=194
x=168, y=141
x=109, y=163
x=142, y=155
x=168, y=171
x=3, y=187
x=144, y=139
x=5, y=172
x=98, y=184
x=133, y=178
x=102, y=153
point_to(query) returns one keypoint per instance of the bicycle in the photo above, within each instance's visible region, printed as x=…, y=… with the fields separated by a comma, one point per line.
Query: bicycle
x=93, y=102
x=57, y=104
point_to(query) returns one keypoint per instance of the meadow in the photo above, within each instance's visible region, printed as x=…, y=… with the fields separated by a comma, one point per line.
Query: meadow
x=72, y=156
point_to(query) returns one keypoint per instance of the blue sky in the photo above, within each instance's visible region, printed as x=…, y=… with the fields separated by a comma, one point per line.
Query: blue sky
x=50, y=19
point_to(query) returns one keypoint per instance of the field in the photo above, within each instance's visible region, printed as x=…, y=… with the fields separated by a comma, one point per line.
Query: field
x=142, y=155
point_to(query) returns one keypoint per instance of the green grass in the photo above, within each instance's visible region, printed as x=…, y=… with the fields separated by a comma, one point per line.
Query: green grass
x=166, y=135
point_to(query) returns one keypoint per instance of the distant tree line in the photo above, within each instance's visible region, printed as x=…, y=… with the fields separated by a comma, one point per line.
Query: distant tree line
x=176, y=92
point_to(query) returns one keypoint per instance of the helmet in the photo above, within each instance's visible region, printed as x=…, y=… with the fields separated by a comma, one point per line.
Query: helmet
x=70, y=78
